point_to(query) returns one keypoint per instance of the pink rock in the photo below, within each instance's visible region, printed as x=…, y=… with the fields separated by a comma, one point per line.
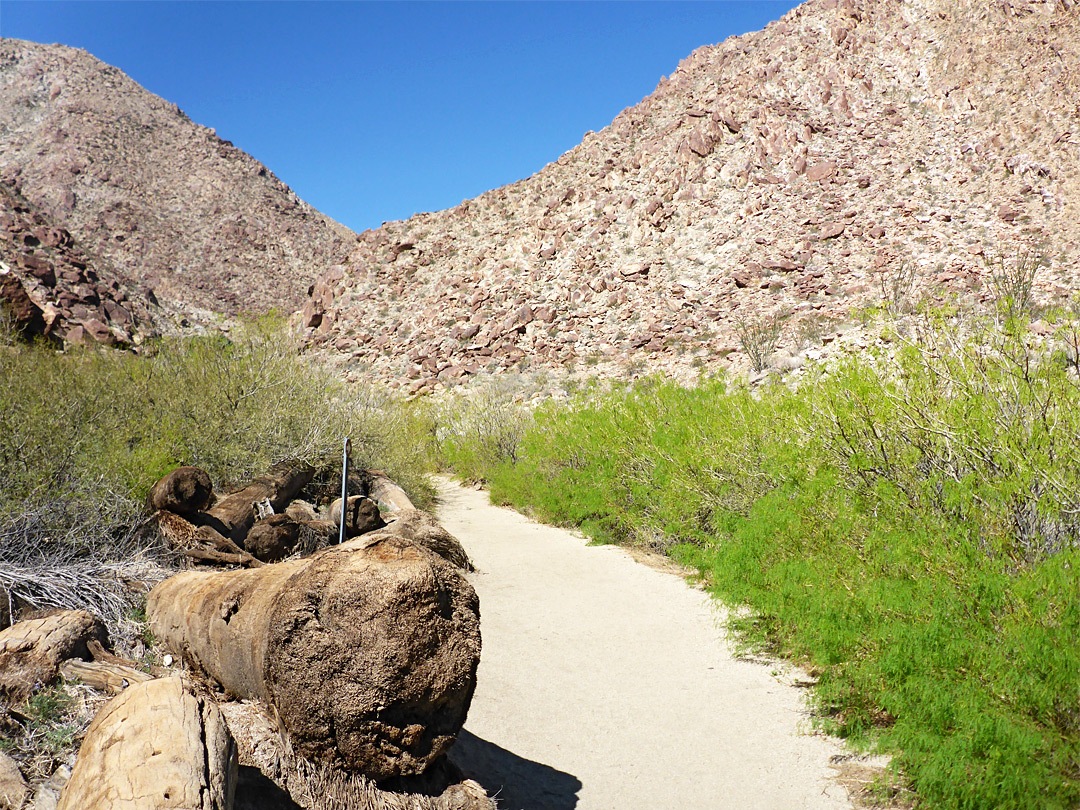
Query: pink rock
x=821, y=171
x=830, y=230
x=545, y=314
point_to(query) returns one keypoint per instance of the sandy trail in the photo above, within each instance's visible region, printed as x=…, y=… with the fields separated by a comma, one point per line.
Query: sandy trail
x=606, y=684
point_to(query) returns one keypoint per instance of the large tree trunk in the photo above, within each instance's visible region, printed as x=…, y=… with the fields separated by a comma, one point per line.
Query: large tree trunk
x=234, y=514
x=157, y=746
x=367, y=651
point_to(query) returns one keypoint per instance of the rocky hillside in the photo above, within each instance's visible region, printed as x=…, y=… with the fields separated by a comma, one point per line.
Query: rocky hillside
x=49, y=288
x=149, y=195
x=855, y=151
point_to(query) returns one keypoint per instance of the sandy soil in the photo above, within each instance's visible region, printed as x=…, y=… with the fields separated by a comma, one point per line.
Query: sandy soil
x=606, y=684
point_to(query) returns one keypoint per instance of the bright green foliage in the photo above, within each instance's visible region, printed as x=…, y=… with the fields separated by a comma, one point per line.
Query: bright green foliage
x=907, y=526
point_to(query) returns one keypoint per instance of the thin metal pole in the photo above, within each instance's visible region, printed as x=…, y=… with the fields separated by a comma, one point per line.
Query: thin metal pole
x=344, y=489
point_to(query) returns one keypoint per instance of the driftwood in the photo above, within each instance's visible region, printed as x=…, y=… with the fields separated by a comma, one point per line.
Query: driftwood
x=367, y=652
x=234, y=514
x=157, y=745
x=103, y=676
x=386, y=493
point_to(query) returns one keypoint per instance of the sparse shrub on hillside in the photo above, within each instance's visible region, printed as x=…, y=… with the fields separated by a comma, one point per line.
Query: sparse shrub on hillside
x=758, y=338
x=896, y=286
x=481, y=429
x=1012, y=279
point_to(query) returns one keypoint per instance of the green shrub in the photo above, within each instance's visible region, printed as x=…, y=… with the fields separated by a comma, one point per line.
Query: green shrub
x=84, y=435
x=906, y=525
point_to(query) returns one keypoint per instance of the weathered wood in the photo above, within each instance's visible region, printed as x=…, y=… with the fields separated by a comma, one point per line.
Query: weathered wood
x=421, y=527
x=185, y=490
x=156, y=746
x=199, y=542
x=386, y=493
x=104, y=676
x=367, y=651
x=236, y=511
x=31, y=651
x=222, y=557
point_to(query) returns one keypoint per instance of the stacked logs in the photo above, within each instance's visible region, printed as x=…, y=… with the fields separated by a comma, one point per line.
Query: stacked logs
x=364, y=654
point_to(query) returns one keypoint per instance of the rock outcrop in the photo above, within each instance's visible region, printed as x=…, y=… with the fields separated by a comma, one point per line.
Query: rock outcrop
x=50, y=289
x=802, y=172
x=157, y=746
x=366, y=651
x=151, y=195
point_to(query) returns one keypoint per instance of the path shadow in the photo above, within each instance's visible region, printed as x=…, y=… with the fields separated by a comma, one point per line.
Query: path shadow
x=517, y=783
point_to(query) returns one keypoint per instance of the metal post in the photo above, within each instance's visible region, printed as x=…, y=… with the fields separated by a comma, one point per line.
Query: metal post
x=344, y=490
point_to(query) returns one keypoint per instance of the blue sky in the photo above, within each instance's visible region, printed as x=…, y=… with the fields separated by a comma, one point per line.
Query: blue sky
x=374, y=111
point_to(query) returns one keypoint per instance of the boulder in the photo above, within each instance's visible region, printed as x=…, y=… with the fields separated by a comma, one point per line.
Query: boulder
x=420, y=527
x=184, y=491
x=362, y=515
x=155, y=746
x=366, y=651
x=273, y=538
x=32, y=651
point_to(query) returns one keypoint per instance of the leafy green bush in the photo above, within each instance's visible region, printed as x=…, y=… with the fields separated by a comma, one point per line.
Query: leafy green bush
x=906, y=524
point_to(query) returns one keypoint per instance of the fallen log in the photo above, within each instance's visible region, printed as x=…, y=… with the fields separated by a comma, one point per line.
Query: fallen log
x=361, y=515
x=32, y=651
x=367, y=652
x=420, y=527
x=385, y=492
x=236, y=511
x=202, y=543
x=184, y=491
x=157, y=745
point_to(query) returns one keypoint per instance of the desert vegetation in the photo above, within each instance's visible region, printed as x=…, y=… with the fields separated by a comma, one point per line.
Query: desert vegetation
x=84, y=434
x=904, y=521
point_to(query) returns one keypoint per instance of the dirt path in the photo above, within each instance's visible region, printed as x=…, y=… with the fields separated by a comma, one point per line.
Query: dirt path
x=605, y=684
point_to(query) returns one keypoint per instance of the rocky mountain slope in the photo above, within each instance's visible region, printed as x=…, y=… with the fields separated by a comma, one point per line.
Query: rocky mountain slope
x=51, y=289
x=149, y=195
x=855, y=151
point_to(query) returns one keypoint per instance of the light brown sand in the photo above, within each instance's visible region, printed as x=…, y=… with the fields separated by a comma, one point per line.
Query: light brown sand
x=606, y=684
